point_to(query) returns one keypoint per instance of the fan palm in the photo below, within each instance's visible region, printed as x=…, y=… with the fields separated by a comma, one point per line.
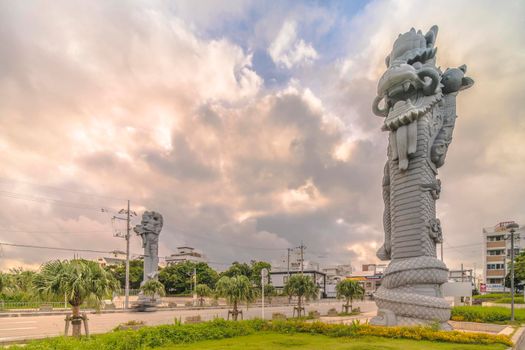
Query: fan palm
x=78, y=280
x=348, y=290
x=152, y=288
x=301, y=286
x=202, y=291
x=235, y=290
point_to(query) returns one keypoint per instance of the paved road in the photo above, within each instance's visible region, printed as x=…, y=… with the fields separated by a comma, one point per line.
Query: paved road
x=33, y=327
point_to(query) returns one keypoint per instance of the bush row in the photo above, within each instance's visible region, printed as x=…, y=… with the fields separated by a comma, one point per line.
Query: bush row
x=484, y=314
x=500, y=298
x=152, y=337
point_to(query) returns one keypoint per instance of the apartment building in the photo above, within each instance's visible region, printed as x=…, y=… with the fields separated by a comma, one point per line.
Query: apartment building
x=184, y=254
x=496, y=254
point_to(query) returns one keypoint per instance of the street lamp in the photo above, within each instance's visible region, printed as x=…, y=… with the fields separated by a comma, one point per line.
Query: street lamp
x=264, y=275
x=512, y=228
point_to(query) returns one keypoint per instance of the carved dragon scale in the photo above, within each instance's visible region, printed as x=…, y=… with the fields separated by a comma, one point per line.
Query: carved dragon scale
x=418, y=102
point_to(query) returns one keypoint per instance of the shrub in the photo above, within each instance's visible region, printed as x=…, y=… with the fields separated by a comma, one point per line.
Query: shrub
x=485, y=314
x=491, y=296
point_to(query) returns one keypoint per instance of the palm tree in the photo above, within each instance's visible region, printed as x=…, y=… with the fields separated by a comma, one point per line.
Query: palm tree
x=235, y=290
x=202, y=291
x=78, y=280
x=301, y=286
x=348, y=290
x=153, y=288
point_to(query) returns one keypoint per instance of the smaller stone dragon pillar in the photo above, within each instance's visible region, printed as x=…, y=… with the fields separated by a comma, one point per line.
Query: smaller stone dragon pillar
x=418, y=102
x=149, y=229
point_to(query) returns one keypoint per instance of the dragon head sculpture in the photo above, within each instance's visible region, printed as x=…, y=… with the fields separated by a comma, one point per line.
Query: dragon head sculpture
x=410, y=87
x=410, y=80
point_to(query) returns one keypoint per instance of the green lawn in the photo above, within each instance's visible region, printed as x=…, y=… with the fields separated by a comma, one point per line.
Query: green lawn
x=265, y=341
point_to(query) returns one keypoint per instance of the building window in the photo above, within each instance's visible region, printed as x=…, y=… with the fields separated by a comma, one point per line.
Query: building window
x=495, y=266
x=495, y=238
x=516, y=252
x=496, y=252
x=285, y=279
x=495, y=281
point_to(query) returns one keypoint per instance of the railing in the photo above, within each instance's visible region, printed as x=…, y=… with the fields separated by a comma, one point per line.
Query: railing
x=31, y=305
x=43, y=306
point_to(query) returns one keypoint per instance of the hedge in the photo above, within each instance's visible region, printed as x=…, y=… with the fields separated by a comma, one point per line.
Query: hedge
x=486, y=314
x=153, y=337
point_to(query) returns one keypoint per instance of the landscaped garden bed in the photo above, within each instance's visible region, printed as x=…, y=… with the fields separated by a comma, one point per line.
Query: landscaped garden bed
x=279, y=333
x=486, y=314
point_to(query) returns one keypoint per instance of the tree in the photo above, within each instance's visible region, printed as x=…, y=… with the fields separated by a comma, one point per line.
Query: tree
x=178, y=278
x=257, y=267
x=519, y=270
x=252, y=270
x=153, y=288
x=78, y=280
x=348, y=290
x=3, y=280
x=269, y=292
x=235, y=290
x=136, y=273
x=202, y=291
x=301, y=286
x=238, y=269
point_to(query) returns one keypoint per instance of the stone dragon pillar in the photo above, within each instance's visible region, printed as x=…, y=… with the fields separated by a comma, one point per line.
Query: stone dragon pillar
x=418, y=102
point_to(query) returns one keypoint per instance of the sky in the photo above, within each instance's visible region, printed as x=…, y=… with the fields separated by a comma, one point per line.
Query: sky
x=246, y=124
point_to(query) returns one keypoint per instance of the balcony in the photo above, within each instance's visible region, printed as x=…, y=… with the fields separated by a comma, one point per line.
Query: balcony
x=496, y=244
x=496, y=258
x=496, y=273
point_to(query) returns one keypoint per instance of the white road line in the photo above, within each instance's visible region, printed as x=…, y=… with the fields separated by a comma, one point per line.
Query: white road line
x=17, y=329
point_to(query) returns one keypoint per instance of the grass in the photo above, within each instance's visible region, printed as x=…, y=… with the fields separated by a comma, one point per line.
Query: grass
x=486, y=314
x=294, y=333
x=264, y=341
x=500, y=298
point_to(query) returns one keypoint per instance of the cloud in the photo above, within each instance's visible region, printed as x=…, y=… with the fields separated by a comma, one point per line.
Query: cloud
x=163, y=105
x=288, y=50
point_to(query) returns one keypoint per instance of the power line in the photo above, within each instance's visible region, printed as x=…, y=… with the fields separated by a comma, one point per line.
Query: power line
x=54, y=248
x=22, y=196
x=18, y=245
x=60, y=189
x=52, y=232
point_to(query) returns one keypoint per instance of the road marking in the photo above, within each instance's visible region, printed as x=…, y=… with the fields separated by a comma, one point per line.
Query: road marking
x=17, y=329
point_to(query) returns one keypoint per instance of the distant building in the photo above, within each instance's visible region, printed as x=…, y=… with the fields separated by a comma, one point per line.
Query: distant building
x=184, y=254
x=116, y=258
x=369, y=277
x=279, y=279
x=336, y=273
x=496, y=254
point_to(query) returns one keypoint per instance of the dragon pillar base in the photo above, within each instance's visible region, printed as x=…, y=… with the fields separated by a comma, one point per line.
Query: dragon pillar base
x=410, y=293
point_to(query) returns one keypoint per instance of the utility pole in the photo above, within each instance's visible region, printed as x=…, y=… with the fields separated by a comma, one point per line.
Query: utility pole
x=127, y=237
x=512, y=228
x=264, y=276
x=194, y=286
x=302, y=247
x=289, y=250
x=128, y=229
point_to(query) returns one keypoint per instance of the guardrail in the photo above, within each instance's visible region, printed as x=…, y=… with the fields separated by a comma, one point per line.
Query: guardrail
x=43, y=306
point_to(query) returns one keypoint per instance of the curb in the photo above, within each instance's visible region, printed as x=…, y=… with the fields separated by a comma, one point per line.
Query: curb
x=518, y=339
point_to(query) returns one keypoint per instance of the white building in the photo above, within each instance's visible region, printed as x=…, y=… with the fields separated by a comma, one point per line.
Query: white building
x=336, y=273
x=279, y=278
x=496, y=254
x=116, y=258
x=186, y=254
